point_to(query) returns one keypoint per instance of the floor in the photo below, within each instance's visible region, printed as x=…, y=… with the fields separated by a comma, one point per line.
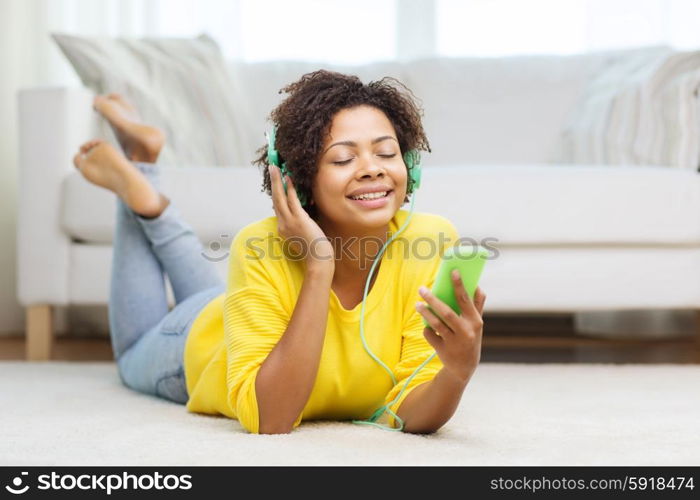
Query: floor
x=67, y=413
x=507, y=338
x=541, y=396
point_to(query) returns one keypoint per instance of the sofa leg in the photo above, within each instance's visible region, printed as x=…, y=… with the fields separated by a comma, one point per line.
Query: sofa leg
x=39, y=340
x=697, y=336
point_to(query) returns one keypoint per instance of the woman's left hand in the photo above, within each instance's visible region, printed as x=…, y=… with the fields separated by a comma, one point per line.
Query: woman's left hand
x=458, y=339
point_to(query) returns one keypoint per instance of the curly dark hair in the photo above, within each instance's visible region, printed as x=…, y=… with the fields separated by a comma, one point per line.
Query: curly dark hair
x=304, y=119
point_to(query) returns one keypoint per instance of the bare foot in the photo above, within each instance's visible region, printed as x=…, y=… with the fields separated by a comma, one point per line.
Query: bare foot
x=106, y=167
x=140, y=142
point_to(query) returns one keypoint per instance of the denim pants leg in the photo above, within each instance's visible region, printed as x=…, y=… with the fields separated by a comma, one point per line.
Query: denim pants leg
x=147, y=338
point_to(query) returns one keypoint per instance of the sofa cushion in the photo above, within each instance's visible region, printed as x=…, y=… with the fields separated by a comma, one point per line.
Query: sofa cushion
x=90, y=273
x=516, y=205
x=640, y=110
x=566, y=204
x=502, y=110
x=179, y=85
x=216, y=201
x=518, y=279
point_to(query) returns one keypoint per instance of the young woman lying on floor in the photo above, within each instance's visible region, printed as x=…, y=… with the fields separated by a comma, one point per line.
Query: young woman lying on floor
x=280, y=342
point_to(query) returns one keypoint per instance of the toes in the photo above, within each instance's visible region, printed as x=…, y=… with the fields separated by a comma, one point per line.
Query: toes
x=119, y=98
x=96, y=102
x=89, y=145
x=78, y=160
x=94, y=144
x=115, y=97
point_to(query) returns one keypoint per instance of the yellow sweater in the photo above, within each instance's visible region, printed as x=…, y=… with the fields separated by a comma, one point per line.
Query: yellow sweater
x=233, y=334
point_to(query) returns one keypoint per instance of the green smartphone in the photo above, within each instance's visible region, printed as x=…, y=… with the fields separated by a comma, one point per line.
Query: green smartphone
x=469, y=260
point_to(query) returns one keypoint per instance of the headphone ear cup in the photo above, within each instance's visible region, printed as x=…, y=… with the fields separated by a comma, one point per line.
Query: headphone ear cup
x=416, y=173
x=273, y=157
x=412, y=160
x=283, y=173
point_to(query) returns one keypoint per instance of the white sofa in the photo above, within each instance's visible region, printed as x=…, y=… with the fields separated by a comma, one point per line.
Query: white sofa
x=571, y=238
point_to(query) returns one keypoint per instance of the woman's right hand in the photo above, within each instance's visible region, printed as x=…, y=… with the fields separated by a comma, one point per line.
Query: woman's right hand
x=293, y=222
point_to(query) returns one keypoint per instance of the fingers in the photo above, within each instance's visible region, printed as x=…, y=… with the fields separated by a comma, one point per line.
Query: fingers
x=279, y=199
x=445, y=312
x=435, y=323
x=466, y=305
x=293, y=199
x=479, y=300
x=435, y=340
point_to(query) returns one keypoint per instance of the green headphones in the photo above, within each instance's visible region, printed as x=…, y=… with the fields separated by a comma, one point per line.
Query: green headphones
x=411, y=159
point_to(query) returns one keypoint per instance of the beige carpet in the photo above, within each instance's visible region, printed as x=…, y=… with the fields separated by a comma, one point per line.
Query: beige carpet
x=62, y=413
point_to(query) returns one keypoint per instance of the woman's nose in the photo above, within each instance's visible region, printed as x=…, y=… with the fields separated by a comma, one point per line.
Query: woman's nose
x=370, y=166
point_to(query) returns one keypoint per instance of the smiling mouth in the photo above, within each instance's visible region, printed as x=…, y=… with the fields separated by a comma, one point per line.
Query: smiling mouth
x=373, y=196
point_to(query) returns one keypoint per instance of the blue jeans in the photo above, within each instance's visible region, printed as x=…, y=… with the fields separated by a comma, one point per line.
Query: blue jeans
x=147, y=338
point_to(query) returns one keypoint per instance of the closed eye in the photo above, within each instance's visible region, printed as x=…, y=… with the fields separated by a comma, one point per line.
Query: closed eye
x=345, y=162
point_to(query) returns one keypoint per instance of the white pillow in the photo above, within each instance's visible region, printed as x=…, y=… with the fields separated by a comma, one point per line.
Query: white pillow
x=642, y=109
x=179, y=85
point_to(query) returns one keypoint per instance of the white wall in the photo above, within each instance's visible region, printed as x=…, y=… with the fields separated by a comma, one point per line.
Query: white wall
x=17, y=70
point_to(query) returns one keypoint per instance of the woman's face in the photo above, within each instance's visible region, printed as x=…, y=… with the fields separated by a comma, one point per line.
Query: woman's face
x=361, y=154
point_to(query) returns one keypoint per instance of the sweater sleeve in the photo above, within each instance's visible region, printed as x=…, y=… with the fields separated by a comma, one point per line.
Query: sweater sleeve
x=414, y=351
x=254, y=321
x=414, y=348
